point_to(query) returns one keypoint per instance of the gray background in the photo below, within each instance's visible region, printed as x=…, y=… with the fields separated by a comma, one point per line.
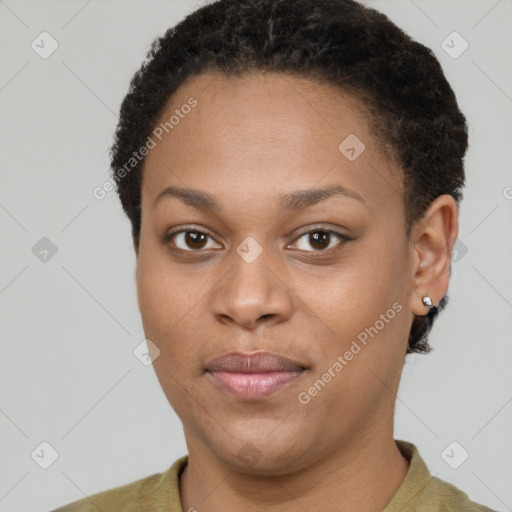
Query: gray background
x=69, y=325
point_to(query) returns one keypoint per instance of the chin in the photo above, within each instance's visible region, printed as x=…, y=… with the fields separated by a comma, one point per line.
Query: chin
x=257, y=452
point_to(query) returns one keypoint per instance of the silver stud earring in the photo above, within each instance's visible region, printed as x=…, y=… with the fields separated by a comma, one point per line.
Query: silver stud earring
x=427, y=301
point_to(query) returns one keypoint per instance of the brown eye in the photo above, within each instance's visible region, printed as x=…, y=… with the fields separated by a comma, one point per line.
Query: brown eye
x=189, y=240
x=320, y=240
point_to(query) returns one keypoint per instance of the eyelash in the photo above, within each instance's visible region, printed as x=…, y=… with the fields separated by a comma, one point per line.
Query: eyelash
x=316, y=229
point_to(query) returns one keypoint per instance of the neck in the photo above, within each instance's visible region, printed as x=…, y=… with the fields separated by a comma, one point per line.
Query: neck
x=362, y=475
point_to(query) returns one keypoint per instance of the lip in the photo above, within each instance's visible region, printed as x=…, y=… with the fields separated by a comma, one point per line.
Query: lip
x=253, y=376
x=258, y=362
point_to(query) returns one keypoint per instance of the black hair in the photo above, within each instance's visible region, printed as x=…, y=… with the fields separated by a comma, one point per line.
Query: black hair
x=413, y=109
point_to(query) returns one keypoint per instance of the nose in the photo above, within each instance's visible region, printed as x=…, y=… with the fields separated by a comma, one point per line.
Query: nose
x=251, y=294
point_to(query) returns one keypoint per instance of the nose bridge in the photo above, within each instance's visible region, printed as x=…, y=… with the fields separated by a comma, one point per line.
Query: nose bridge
x=252, y=289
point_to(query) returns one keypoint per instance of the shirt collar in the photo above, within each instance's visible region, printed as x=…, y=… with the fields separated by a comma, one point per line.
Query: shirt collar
x=417, y=478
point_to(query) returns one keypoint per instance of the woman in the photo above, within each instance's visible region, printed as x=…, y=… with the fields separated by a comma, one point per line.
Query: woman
x=292, y=172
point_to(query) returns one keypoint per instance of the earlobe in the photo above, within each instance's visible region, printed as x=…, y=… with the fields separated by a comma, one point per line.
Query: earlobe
x=432, y=241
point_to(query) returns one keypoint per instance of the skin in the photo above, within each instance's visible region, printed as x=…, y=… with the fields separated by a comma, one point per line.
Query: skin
x=249, y=141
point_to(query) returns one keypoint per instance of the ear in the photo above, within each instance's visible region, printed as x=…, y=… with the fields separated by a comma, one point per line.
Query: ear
x=432, y=240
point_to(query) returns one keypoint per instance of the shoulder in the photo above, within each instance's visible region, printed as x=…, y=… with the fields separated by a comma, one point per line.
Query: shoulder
x=147, y=494
x=422, y=492
x=128, y=498
x=450, y=498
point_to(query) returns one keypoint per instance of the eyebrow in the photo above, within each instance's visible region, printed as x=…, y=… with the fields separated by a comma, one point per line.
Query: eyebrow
x=290, y=202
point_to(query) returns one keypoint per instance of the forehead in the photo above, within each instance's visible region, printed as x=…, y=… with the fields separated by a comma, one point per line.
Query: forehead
x=266, y=134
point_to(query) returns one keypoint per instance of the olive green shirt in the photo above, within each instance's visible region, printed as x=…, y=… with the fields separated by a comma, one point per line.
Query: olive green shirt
x=419, y=492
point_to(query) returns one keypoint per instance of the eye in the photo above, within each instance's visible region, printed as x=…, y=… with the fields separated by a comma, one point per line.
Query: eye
x=193, y=240
x=320, y=239
x=190, y=239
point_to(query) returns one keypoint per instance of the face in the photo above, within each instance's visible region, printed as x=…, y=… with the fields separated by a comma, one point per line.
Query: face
x=269, y=263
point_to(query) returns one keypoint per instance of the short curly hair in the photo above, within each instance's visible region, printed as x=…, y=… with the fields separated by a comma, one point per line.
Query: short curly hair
x=413, y=109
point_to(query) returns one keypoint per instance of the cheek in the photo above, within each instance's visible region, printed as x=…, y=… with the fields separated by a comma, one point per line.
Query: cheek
x=361, y=312
x=170, y=306
x=161, y=302
x=156, y=304
x=166, y=313
x=364, y=286
x=162, y=298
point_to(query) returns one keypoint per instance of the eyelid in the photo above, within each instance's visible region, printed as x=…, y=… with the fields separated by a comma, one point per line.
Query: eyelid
x=188, y=227
x=320, y=227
